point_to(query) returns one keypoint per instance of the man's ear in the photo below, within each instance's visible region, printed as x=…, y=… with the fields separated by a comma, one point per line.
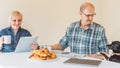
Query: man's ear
x=80, y=12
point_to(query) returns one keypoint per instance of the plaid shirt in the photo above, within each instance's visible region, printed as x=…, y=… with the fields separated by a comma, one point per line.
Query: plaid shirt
x=89, y=41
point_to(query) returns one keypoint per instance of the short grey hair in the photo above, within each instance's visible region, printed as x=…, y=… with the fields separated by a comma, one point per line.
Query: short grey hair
x=86, y=4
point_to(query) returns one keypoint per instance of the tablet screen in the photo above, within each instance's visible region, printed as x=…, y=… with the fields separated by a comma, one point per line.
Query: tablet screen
x=24, y=44
x=83, y=61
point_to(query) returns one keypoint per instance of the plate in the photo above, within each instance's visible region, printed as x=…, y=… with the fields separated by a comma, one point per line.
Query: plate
x=51, y=60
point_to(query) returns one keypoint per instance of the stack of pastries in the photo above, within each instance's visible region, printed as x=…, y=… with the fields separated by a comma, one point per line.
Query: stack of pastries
x=42, y=54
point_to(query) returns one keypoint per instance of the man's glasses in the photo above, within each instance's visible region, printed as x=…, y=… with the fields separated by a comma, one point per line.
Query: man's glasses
x=88, y=15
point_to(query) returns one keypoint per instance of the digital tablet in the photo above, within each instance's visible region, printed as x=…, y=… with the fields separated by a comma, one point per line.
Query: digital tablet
x=24, y=44
x=83, y=61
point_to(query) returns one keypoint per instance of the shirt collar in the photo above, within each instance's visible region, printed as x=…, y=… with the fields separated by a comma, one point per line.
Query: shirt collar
x=89, y=27
x=10, y=28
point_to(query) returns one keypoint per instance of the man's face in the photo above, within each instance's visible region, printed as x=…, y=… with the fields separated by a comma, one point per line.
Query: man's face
x=87, y=15
x=16, y=22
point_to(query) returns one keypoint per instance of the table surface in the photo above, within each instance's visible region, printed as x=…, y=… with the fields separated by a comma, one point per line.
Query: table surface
x=21, y=60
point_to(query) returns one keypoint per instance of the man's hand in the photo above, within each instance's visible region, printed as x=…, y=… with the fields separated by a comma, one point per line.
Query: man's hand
x=98, y=56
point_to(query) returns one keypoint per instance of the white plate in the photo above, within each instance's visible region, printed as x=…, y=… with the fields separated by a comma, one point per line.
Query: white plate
x=51, y=60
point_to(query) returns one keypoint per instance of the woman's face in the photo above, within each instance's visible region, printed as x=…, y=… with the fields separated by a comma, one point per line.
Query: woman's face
x=16, y=22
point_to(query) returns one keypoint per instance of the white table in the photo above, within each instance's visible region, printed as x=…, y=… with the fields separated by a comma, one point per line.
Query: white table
x=21, y=60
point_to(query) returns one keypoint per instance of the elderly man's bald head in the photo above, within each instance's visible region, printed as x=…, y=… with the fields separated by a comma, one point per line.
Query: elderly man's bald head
x=85, y=5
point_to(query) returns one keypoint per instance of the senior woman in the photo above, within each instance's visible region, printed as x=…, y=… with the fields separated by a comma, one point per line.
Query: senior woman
x=14, y=30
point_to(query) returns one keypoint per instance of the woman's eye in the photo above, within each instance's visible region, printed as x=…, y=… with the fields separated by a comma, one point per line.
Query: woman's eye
x=14, y=20
x=17, y=20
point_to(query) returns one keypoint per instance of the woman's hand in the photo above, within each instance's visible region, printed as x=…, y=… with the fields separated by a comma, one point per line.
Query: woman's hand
x=35, y=45
x=1, y=42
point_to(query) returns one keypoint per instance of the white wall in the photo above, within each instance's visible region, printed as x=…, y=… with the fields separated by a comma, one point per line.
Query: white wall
x=49, y=19
x=112, y=19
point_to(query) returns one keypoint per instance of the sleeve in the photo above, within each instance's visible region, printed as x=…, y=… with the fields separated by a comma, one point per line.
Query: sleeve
x=64, y=40
x=0, y=33
x=27, y=33
x=103, y=42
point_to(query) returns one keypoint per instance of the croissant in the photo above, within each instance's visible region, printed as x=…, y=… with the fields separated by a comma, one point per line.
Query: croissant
x=42, y=54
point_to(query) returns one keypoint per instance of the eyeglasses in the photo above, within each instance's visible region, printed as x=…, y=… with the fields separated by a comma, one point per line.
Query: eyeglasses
x=88, y=15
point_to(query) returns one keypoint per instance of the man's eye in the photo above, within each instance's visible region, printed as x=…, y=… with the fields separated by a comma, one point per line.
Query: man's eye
x=14, y=20
x=90, y=15
x=19, y=20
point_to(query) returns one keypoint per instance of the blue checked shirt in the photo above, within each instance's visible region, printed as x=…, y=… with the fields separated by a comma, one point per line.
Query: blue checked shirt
x=14, y=38
x=89, y=41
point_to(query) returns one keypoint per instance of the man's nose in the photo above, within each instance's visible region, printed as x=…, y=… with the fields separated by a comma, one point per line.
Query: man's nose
x=90, y=17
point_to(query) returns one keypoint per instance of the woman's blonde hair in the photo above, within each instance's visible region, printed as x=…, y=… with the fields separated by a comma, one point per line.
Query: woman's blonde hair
x=15, y=13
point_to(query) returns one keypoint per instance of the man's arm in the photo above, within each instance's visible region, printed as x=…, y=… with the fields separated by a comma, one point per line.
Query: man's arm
x=56, y=47
x=102, y=47
x=99, y=56
x=53, y=47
